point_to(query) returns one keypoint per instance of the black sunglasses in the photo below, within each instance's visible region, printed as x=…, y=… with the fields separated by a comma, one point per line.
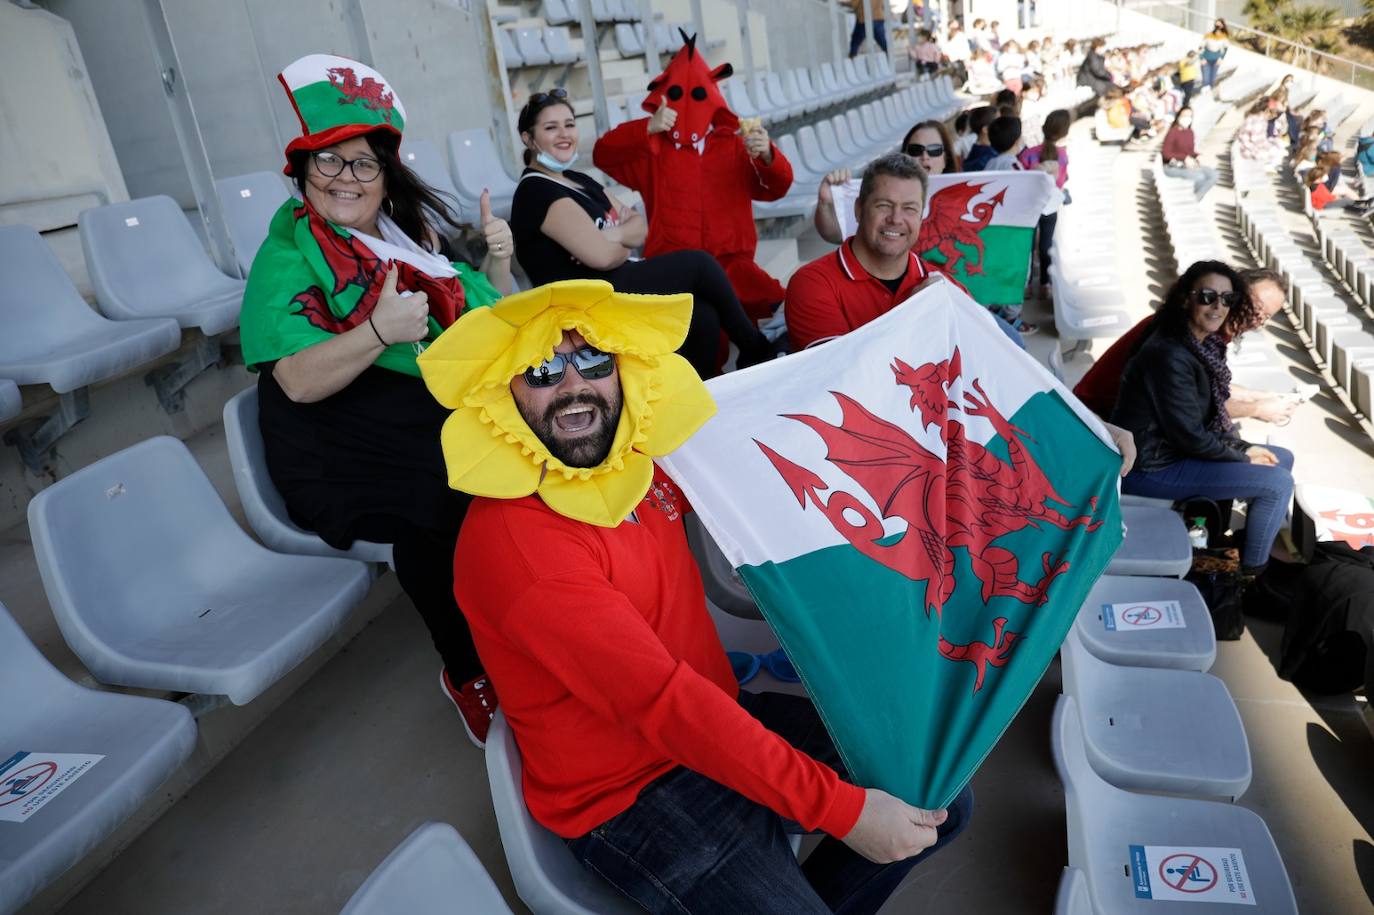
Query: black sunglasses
x=364, y=168
x=934, y=150
x=556, y=94
x=589, y=362
x=1210, y=297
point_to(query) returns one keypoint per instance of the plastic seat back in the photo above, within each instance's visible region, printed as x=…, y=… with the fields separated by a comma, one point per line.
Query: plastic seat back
x=145, y=260
x=509, y=49
x=262, y=504
x=1073, y=897
x=425, y=160
x=249, y=202
x=530, y=43
x=559, y=42
x=141, y=741
x=557, y=12
x=547, y=876
x=426, y=875
x=477, y=164
x=627, y=40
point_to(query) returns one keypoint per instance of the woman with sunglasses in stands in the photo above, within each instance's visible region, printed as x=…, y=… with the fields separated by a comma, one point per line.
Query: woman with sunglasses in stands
x=568, y=227
x=348, y=288
x=929, y=143
x=1173, y=398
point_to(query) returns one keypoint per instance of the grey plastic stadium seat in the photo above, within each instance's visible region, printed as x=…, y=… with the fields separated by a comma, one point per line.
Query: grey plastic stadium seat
x=723, y=585
x=476, y=165
x=1072, y=897
x=146, y=261
x=262, y=503
x=1156, y=543
x=559, y=42
x=1149, y=640
x=1147, y=729
x=530, y=43
x=11, y=401
x=155, y=586
x=1104, y=822
x=627, y=40
x=547, y=877
x=559, y=12
x=51, y=336
x=249, y=203
x=510, y=51
x=433, y=872
x=424, y=159
x=142, y=741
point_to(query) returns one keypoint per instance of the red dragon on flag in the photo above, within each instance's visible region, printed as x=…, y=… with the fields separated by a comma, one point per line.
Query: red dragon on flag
x=946, y=225
x=370, y=93
x=970, y=498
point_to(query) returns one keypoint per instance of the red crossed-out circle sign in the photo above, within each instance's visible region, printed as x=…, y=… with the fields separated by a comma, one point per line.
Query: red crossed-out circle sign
x=41, y=772
x=1141, y=615
x=1178, y=870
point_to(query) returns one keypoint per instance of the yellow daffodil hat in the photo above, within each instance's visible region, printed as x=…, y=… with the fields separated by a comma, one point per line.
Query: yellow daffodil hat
x=491, y=451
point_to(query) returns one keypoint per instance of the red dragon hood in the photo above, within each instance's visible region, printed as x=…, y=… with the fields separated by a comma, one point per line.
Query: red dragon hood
x=689, y=87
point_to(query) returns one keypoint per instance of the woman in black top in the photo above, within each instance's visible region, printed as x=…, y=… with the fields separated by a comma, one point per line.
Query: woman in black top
x=1173, y=399
x=567, y=227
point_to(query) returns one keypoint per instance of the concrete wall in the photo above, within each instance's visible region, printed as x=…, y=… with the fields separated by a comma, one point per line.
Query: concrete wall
x=57, y=154
x=432, y=51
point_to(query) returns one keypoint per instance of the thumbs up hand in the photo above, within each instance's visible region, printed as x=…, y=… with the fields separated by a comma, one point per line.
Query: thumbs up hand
x=495, y=231
x=400, y=317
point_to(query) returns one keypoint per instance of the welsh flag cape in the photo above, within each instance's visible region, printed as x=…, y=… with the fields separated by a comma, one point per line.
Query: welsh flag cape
x=919, y=510
x=977, y=226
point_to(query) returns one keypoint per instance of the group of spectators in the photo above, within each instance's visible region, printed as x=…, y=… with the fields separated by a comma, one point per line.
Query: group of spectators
x=352, y=442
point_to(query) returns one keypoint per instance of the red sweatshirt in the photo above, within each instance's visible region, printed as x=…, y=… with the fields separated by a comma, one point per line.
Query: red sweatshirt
x=1178, y=145
x=610, y=670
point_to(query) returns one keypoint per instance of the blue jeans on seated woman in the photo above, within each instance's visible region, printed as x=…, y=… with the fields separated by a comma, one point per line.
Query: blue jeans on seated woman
x=689, y=844
x=1267, y=489
x=1204, y=177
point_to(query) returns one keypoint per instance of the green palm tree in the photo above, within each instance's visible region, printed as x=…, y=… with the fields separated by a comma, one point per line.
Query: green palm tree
x=1316, y=27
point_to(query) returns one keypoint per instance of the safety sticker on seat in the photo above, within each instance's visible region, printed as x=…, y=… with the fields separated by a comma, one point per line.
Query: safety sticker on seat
x=1196, y=874
x=1143, y=616
x=29, y=780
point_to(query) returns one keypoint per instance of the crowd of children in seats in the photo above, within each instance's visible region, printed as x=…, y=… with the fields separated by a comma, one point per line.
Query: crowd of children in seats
x=337, y=376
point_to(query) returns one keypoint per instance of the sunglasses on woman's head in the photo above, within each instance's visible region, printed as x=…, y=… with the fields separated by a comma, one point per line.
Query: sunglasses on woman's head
x=1210, y=297
x=590, y=363
x=553, y=95
x=916, y=150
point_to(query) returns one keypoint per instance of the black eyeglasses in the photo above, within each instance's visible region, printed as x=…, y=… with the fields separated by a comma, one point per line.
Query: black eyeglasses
x=556, y=94
x=916, y=150
x=364, y=168
x=589, y=362
x=1210, y=297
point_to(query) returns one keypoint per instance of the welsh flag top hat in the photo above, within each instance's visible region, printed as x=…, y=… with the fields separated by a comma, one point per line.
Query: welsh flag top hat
x=337, y=98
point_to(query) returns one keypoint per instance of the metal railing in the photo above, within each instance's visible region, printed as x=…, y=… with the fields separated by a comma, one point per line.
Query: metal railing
x=1300, y=55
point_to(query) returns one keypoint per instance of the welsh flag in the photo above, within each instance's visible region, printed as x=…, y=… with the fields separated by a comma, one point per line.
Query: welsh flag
x=979, y=227
x=919, y=510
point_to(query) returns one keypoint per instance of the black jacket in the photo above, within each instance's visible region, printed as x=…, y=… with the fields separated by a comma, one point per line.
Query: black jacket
x=1166, y=402
x=1093, y=73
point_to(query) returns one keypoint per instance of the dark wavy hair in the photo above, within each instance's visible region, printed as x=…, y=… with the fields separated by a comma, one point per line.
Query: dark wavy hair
x=1172, y=317
x=524, y=123
x=415, y=207
x=951, y=159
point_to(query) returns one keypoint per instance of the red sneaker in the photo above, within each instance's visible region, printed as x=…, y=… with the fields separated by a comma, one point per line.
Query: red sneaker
x=475, y=701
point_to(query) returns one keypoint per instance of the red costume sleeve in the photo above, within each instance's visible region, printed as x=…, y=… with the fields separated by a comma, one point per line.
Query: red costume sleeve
x=772, y=181
x=626, y=153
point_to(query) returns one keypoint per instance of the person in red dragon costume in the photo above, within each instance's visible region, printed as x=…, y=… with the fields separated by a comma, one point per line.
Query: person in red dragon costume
x=698, y=173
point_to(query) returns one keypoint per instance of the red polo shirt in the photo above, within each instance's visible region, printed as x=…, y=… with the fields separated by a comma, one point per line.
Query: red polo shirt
x=834, y=294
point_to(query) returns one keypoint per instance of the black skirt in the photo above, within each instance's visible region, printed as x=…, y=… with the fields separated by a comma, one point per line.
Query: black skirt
x=364, y=456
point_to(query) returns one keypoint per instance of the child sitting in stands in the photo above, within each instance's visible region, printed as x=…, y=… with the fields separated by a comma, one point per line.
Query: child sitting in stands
x=925, y=53
x=981, y=151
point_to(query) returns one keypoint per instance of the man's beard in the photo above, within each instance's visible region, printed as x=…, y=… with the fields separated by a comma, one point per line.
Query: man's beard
x=585, y=450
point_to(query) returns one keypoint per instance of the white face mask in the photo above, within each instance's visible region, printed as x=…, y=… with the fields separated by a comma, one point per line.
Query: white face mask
x=1185, y=122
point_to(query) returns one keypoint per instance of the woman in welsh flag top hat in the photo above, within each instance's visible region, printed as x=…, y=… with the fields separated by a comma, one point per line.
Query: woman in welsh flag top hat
x=346, y=291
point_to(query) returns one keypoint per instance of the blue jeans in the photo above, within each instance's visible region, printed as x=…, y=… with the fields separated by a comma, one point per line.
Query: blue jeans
x=856, y=38
x=689, y=844
x=1209, y=72
x=1204, y=177
x=1267, y=489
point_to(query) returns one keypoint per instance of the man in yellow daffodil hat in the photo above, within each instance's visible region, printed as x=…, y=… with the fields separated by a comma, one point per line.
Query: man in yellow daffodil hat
x=588, y=612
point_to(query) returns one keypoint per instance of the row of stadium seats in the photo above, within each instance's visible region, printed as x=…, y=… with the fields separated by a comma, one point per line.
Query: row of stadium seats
x=1086, y=291
x=1116, y=733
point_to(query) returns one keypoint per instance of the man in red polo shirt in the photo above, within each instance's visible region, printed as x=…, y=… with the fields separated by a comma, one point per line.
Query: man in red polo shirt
x=874, y=270
x=639, y=748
